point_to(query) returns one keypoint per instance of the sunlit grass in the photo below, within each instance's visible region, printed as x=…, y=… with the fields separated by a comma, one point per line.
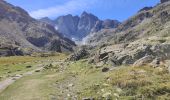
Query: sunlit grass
x=13, y=65
x=124, y=83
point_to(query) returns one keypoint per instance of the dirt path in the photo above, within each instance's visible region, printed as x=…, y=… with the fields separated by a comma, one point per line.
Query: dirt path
x=5, y=83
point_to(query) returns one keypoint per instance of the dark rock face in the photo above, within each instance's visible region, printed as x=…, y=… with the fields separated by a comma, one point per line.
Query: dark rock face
x=162, y=1
x=76, y=28
x=16, y=26
x=39, y=42
x=6, y=51
x=145, y=9
x=67, y=25
x=86, y=23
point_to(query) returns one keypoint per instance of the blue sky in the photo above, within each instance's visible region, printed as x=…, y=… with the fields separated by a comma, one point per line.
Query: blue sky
x=104, y=9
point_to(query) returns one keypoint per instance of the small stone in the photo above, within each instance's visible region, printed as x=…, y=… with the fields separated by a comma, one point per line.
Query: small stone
x=9, y=72
x=28, y=66
x=68, y=95
x=105, y=69
x=1, y=77
x=99, y=64
x=18, y=75
x=105, y=84
x=106, y=95
x=119, y=90
x=88, y=98
x=37, y=70
x=70, y=85
x=116, y=95
x=155, y=63
x=102, y=90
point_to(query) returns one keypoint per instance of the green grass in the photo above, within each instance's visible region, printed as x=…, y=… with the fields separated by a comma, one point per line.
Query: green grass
x=10, y=66
x=124, y=83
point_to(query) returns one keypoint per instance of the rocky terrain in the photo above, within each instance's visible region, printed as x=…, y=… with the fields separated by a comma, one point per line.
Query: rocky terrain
x=118, y=61
x=149, y=21
x=78, y=27
x=140, y=40
x=19, y=30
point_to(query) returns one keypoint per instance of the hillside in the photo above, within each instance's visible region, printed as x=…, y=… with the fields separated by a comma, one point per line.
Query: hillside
x=19, y=30
x=149, y=21
x=142, y=39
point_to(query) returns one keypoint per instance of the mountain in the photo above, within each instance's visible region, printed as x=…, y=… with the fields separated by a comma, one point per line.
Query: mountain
x=149, y=21
x=76, y=28
x=19, y=30
x=142, y=39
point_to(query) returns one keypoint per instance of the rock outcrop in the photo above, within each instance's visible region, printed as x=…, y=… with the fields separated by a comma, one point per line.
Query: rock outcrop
x=81, y=53
x=162, y=1
x=145, y=9
x=136, y=54
x=11, y=51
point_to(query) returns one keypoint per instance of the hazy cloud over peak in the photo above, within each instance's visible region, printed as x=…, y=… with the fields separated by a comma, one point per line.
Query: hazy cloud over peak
x=68, y=7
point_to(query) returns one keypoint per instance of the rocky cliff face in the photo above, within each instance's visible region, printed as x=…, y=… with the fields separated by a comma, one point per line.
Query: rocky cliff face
x=18, y=29
x=76, y=28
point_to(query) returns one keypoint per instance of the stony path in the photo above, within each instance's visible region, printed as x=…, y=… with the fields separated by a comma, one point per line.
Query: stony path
x=67, y=89
x=5, y=83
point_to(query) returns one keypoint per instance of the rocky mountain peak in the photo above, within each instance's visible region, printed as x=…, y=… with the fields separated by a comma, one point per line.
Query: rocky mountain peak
x=78, y=27
x=84, y=13
x=88, y=15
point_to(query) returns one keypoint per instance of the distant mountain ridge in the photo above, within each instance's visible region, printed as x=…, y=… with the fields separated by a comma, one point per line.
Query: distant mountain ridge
x=78, y=27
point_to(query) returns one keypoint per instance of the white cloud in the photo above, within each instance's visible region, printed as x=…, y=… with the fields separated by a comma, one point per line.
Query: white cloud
x=69, y=7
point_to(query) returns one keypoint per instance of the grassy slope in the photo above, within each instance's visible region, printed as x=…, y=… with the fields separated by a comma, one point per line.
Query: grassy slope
x=81, y=80
x=10, y=66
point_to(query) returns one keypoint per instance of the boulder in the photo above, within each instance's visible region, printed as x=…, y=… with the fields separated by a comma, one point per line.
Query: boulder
x=80, y=54
x=105, y=69
x=156, y=62
x=107, y=95
x=143, y=61
x=28, y=66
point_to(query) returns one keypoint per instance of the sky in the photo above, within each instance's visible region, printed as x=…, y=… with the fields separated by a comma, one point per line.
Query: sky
x=104, y=9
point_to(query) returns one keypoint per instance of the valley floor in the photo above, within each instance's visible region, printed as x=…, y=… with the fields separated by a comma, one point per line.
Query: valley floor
x=59, y=80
